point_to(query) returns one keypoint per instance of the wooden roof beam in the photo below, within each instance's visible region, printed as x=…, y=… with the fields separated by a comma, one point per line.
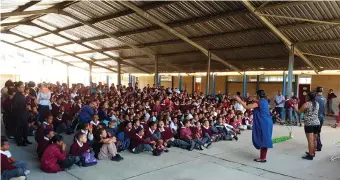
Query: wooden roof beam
x=25, y=13
x=277, y=6
x=149, y=52
x=277, y=32
x=23, y=7
x=116, y=59
x=154, y=20
x=301, y=19
x=66, y=63
x=42, y=44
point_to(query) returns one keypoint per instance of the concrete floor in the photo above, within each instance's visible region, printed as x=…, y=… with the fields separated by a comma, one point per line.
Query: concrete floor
x=224, y=160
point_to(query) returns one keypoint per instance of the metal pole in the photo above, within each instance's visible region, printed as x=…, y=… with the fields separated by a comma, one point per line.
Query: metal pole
x=208, y=75
x=296, y=85
x=213, y=84
x=108, y=80
x=156, y=70
x=284, y=84
x=257, y=83
x=90, y=79
x=68, y=76
x=244, y=84
x=119, y=78
x=290, y=71
x=193, y=84
x=226, y=84
x=172, y=81
x=180, y=82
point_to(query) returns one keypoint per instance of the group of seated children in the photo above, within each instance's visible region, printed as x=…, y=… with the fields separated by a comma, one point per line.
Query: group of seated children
x=104, y=141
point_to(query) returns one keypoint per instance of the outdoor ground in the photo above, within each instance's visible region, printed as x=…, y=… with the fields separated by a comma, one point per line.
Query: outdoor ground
x=224, y=160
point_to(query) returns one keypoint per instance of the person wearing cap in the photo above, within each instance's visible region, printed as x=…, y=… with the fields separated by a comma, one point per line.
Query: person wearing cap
x=321, y=114
x=262, y=124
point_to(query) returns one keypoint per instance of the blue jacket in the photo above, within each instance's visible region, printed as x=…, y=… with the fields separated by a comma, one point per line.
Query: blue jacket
x=103, y=115
x=322, y=101
x=85, y=115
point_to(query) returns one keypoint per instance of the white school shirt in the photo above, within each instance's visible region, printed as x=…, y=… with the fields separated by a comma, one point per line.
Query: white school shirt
x=7, y=153
x=279, y=99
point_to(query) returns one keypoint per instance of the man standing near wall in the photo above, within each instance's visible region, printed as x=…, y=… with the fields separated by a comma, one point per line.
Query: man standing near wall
x=321, y=100
x=279, y=102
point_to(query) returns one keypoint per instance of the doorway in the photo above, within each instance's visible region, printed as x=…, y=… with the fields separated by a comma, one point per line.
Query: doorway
x=303, y=90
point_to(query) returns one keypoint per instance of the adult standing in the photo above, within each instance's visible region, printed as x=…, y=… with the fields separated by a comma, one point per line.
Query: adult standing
x=20, y=115
x=262, y=124
x=312, y=123
x=321, y=114
x=330, y=98
x=86, y=113
x=279, y=103
x=44, y=103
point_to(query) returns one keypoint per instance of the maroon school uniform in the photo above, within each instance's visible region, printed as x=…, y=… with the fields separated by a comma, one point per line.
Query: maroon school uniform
x=55, y=109
x=50, y=158
x=166, y=133
x=5, y=165
x=42, y=145
x=39, y=135
x=148, y=133
x=197, y=133
x=137, y=140
x=76, y=150
x=185, y=133
x=207, y=130
x=67, y=106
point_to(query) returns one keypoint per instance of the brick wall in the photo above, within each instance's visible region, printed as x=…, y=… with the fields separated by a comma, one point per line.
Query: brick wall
x=144, y=80
x=328, y=82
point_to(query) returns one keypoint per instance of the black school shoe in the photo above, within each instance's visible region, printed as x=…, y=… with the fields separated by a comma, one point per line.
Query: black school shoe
x=260, y=160
x=236, y=138
x=307, y=153
x=208, y=145
x=28, y=142
x=116, y=158
x=307, y=157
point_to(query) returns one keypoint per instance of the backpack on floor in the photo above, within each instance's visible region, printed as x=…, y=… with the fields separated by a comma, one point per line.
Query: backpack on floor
x=87, y=159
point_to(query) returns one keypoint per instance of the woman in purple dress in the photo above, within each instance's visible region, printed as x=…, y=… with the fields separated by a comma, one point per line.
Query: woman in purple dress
x=262, y=124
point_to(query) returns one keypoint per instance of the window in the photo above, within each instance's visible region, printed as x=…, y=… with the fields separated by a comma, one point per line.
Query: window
x=235, y=78
x=198, y=79
x=305, y=80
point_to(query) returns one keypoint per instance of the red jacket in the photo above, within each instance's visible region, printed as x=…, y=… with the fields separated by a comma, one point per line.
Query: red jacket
x=49, y=160
x=184, y=133
x=166, y=134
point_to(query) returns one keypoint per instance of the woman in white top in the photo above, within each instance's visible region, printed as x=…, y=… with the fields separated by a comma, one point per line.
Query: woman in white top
x=43, y=98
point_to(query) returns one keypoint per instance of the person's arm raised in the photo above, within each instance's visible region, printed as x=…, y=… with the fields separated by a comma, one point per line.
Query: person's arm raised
x=249, y=106
x=302, y=108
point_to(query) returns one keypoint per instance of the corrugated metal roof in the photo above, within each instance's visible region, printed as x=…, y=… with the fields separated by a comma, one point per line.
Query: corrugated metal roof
x=224, y=27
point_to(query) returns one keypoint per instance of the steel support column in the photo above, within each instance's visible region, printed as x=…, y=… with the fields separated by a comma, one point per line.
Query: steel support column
x=193, y=84
x=207, y=88
x=108, y=80
x=156, y=70
x=257, y=83
x=296, y=85
x=180, y=82
x=284, y=83
x=68, y=76
x=290, y=71
x=90, y=73
x=213, y=84
x=119, y=76
x=226, y=84
x=172, y=81
x=130, y=79
x=244, y=84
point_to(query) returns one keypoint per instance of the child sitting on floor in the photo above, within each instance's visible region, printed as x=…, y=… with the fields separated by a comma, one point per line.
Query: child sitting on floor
x=33, y=121
x=43, y=144
x=80, y=146
x=248, y=120
x=10, y=167
x=46, y=125
x=238, y=122
x=104, y=147
x=209, y=132
x=111, y=129
x=139, y=143
x=87, y=130
x=226, y=134
x=199, y=137
x=54, y=158
x=94, y=123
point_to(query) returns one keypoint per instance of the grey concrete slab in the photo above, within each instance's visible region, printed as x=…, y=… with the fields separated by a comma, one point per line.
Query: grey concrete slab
x=198, y=170
x=224, y=160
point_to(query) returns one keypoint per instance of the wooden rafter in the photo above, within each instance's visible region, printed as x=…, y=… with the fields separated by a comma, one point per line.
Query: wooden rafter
x=116, y=59
x=22, y=8
x=66, y=63
x=277, y=32
x=61, y=51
